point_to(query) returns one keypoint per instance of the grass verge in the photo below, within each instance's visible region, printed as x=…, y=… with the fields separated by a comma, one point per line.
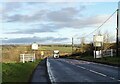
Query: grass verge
x=115, y=61
x=18, y=72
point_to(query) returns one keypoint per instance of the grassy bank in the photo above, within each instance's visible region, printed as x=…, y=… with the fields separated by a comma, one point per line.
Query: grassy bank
x=105, y=60
x=18, y=72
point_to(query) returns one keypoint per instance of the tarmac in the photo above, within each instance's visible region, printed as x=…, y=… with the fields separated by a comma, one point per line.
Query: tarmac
x=40, y=74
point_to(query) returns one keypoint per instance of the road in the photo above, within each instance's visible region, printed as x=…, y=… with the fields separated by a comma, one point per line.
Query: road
x=69, y=70
x=40, y=75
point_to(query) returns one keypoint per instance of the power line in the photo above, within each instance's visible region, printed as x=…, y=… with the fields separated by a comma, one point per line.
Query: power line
x=101, y=24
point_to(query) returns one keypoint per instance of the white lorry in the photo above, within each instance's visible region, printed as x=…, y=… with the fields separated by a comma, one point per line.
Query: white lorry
x=56, y=54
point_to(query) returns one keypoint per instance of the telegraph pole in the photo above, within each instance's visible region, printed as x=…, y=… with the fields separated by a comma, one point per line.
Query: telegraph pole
x=72, y=45
x=117, y=42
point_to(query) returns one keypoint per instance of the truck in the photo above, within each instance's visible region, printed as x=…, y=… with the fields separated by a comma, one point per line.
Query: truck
x=56, y=54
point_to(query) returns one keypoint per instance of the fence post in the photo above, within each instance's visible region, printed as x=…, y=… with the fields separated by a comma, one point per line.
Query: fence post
x=23, y=58
x=111, y=52
x=34, y=56
x=94, y=53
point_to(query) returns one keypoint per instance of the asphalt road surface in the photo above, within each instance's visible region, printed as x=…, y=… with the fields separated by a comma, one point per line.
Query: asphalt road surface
x=69, y=70
x=40, y=75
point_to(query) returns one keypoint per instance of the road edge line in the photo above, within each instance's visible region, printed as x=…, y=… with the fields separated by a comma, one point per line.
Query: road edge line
x=50, y=74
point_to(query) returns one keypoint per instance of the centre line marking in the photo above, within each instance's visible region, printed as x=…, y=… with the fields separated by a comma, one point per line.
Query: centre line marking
x=92, y=71
x=98, y=73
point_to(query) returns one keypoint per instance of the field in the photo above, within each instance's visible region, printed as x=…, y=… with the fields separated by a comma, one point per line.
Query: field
x=62, y=49
x=14, y=71
x=11, y=53
x=18, y=72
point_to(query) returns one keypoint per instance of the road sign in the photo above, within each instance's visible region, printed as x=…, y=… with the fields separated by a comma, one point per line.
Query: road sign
x=34, y=46
x=42, y=53
x=98, y=40
x=97, y=44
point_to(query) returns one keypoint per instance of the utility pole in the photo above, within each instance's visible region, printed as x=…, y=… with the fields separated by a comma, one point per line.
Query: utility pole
x=72, y=45
x=117, y=42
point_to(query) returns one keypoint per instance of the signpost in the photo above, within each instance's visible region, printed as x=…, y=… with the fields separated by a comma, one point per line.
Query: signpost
x=98, y=42
x=119, y=21
x=72, y=45
x=118, y=28
x=118, y=31
x=34, y=47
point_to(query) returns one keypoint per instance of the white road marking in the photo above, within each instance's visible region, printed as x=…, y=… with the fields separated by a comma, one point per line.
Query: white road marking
x=112, y=78
x=81, y=67
x=98, y=73
x=93, y=70
x=94, y=63
x=51, y=76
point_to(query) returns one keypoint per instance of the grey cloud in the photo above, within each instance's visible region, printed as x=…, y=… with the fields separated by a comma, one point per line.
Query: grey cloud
x=53, y=27
x=34, y=39
x=38, y=16
x=14, y=18
x=40, y=29
x=80, y=23
x=69, y=17
x=11, y=6
x=63, y=15
x=35, y=3
x=72, y=18
x=11, y=12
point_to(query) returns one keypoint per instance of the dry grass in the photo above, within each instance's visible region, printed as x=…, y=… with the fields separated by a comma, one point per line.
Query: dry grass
x=10, y=53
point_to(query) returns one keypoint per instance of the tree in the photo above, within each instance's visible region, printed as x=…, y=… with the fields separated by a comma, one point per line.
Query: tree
x=108, y=40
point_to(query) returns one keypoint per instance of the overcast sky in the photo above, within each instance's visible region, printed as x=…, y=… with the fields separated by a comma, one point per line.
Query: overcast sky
x=51, y=23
